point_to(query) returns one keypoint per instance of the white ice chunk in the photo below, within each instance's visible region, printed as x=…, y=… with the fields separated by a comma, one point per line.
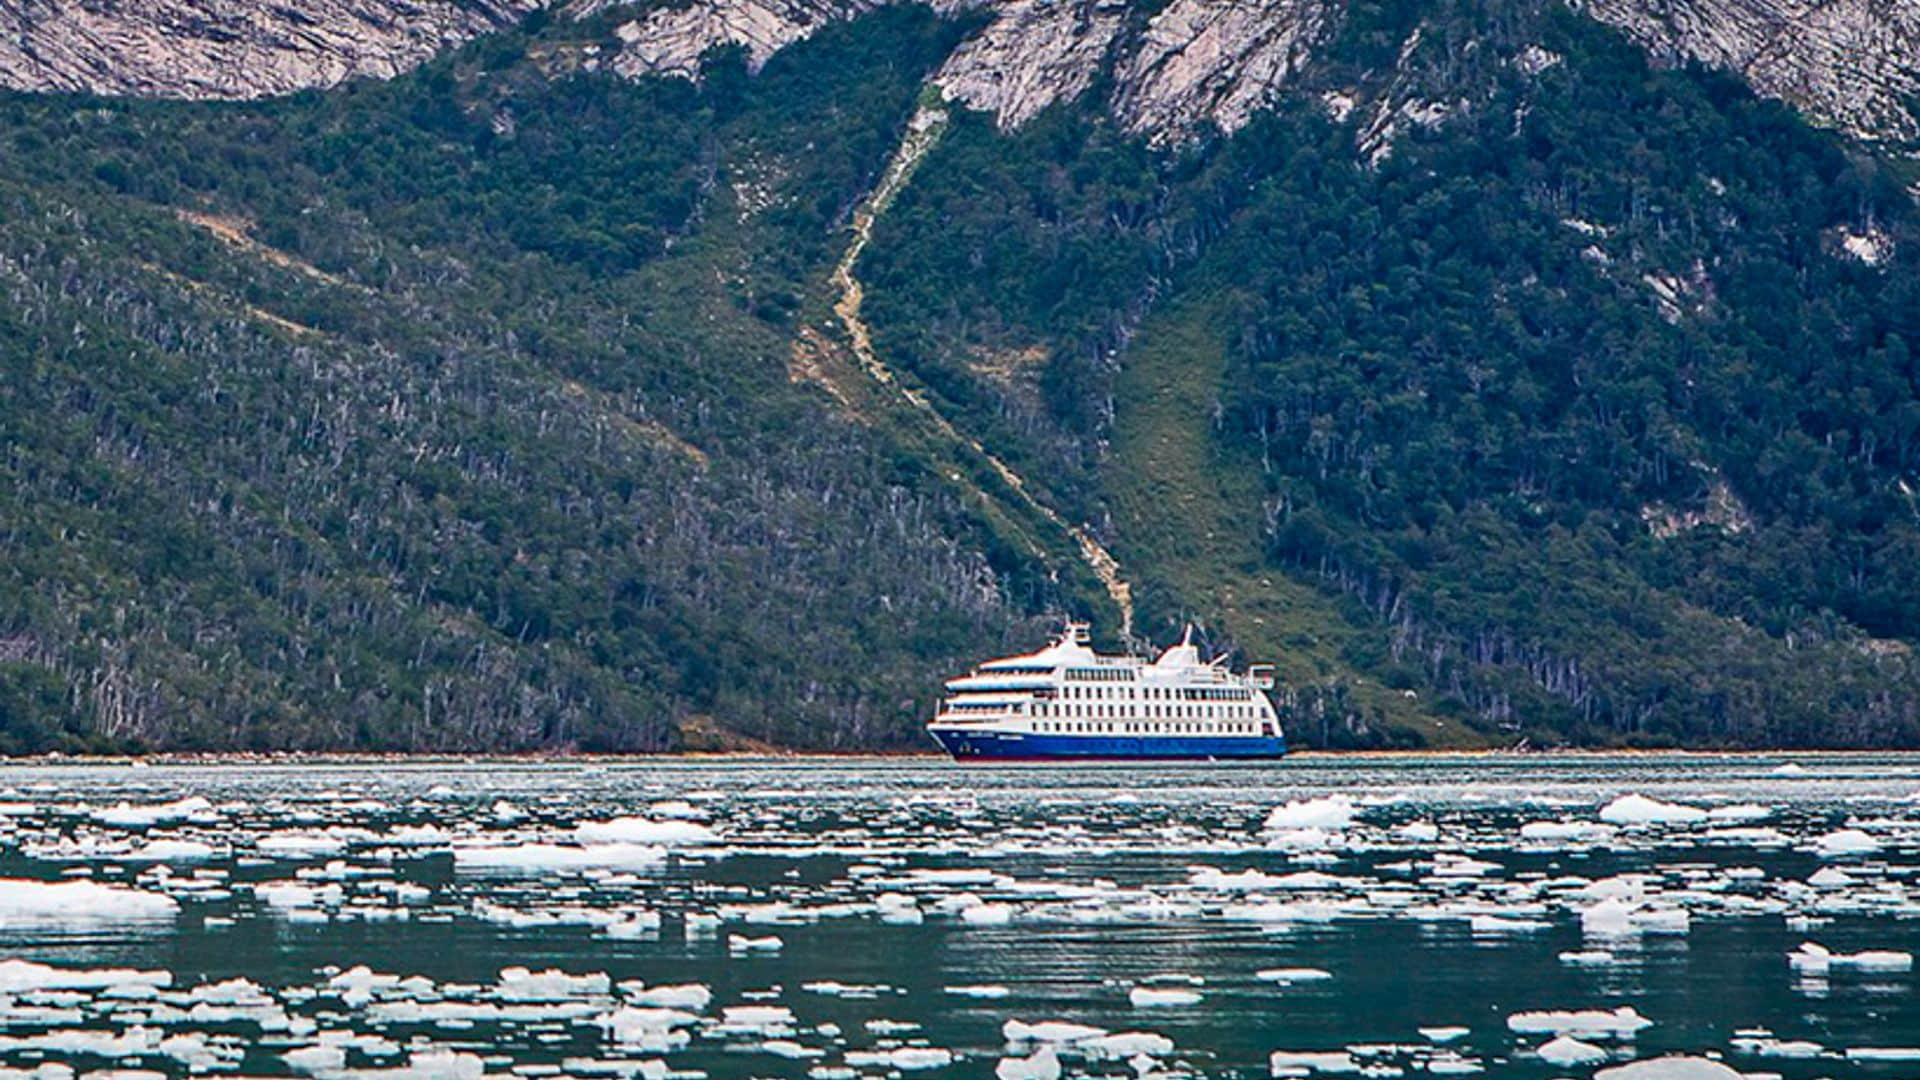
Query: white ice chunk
x=756, y=1020
x=1669, y=1068
x=1622, y=1021
x=685, y=996
x=24, y=901
x=1846, y=842
x=904, y=1058
x=639, y=830
x=1640, y=810
x=978, y=991
x=1043, y=1064
x=1307, y=1062
x=988, y=914
x=1331, y=812
x=1812, y=959
x=316, y=1059
x=1153, y=997
x=520, y=984
x=129, y=816
x=1048, y=1031
x=1620, y=918
x=537, y=857
x=1292, y=975
x=1566, y=1050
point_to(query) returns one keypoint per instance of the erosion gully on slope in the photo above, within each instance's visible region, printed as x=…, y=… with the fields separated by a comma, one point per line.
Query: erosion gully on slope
x=923, y=133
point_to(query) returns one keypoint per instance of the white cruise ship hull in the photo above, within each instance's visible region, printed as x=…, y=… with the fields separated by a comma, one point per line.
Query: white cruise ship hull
x=1068, y=703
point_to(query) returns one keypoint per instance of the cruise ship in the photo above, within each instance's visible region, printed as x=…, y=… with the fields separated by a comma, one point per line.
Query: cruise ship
x=1068, y=702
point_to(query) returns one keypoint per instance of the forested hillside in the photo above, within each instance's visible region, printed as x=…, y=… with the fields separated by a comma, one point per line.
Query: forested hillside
x=1499, y=384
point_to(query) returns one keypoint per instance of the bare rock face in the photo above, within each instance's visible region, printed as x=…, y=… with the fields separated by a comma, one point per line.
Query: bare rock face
x=1189, y=67
x=1852, y=64
x=1198, y=63
x=1033, y=53
x=671, y=41
x=1215, y=61
x=229, y=48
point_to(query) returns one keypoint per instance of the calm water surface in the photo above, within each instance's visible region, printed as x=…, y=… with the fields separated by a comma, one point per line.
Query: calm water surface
x=869, y=918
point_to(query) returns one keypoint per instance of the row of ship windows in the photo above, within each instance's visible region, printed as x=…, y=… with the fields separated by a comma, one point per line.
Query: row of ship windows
x=1114, y=712
x=1150, y=712
x=1098, y=728
x=1156, y=693
x=1101, y=674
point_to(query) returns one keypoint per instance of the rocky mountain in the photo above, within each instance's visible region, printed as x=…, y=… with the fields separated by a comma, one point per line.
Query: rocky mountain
x=230, y=48
x=722, y=374
x=1188, y=65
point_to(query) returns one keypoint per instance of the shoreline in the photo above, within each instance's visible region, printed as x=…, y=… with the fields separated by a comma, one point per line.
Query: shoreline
x=348, y=758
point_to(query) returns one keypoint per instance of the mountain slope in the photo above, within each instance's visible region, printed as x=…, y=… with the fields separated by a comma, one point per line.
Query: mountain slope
x=1499, y=384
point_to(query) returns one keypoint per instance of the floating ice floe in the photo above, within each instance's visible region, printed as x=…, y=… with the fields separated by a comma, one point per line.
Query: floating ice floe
x=315, y=1059
x=1288, y=976
x=1623, y=918
x=1769, y=1047
x=1621, y=1022
x=756, y=1020
x=694, y=996
x=1290, y=1063
x=1149, y=997
x=740, y=943
x=1017, y=1032
x=648, y=1029
x=301, y=845
x=36, y=902
x=1812, y=959
x=790, y=1049
x=1330, y=812
x=538, y=857
x=1670, y=1068
x=521, y=984
x=171, y=851
x=1565, y=831
x=129, y=816
x=1565, y=1050
x=1214, y=880
x=1883, y=1053
x=833, y=988
x=978, y=991
x=21, y=976
x=639, y=830
x=1846, y=842
x=904, y=1058
x=1042, y=1064
x=987, y=914
x=1640, y=810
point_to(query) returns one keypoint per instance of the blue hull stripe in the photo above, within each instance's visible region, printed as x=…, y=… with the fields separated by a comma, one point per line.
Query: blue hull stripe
x=997, y=746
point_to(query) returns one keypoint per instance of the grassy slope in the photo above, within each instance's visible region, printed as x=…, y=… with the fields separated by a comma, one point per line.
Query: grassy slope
x=1189, y=526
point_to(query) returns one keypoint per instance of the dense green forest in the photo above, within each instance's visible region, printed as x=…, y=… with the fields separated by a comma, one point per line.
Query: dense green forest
x=503, y=405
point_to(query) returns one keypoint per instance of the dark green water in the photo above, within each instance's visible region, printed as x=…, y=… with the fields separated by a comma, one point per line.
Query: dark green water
x=1096, y=882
